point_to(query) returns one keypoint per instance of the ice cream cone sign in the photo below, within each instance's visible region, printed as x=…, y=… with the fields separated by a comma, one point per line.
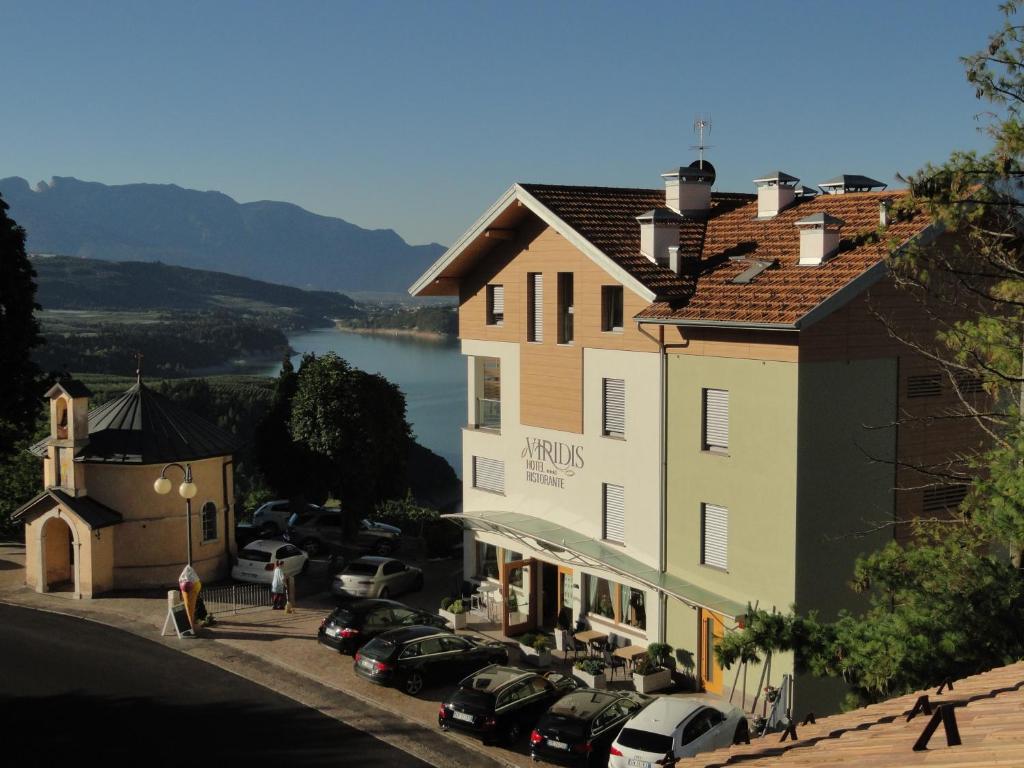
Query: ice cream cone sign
x=190, y=586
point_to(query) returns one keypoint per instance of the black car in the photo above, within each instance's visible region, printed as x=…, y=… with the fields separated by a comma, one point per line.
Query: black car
x=410, y=656
x=580, y=727
x=502, y=702
x=351, y=625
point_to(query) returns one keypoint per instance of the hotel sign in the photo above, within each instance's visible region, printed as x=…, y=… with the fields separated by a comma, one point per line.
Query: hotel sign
x=550, y=462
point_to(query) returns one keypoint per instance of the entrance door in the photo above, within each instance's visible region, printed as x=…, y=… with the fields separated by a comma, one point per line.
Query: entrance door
x=59, y=556
x=565, y=593
x=519, y=597
x=712, y=630
x=549, y=597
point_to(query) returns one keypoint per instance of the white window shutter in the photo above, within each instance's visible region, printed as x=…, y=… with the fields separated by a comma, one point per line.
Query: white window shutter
x=498, y=299
x=537, y=310
x=614, y=407
x=488, y=474
x=716, y=418
x=614, y=513
x=715, y=535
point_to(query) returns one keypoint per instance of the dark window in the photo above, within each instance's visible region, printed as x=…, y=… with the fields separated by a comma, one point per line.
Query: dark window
x=361, y=569
x=925, y=385
x=495, y=304
x=254, y=555
x=565, y=308
x=645, y=741
x=379, y=617
x=611, y=307
x=411, y=651
x=943, y=498
x=614, y=393
x=287, y=551
x=699, y=724
x=431, y=645
x=208, y=518
x=454, y=644
x=393, y=566
x=539, y=685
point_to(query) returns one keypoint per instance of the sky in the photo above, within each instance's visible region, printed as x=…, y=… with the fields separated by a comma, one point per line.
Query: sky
x=417, y=116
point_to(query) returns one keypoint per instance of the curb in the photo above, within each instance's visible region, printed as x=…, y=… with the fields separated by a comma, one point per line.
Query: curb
x=372, y=720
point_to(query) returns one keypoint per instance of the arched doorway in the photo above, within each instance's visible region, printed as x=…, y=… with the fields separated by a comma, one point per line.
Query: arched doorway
x=58, y=550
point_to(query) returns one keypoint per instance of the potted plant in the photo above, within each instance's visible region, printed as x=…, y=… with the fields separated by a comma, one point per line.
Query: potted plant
x=454, y=612
x=590, y=672
x=653, y=671
x=535, y=649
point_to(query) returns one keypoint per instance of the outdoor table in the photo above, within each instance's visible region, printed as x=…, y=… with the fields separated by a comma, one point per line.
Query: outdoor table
x=487, y=590
x=592, y=638
x=630, y=653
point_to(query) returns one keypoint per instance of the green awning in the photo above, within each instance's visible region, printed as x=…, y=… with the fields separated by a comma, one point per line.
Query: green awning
x=574, y=548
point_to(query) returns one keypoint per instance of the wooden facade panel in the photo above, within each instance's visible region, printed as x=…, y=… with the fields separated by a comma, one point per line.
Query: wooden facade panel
x=779, y=346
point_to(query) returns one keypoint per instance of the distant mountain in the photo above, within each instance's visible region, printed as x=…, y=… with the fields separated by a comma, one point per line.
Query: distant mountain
x=277, y=242
x=69, y=282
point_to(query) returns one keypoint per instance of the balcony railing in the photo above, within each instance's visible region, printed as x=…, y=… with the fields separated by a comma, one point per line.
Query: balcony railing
x=488, y=413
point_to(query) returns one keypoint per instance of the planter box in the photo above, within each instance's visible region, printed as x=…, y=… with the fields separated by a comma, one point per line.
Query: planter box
x=591, y=681
x=535, y=657
x=457, y=620
x=652, y=682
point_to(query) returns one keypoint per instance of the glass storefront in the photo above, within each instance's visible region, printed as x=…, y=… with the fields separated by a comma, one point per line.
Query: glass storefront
x=615, y=602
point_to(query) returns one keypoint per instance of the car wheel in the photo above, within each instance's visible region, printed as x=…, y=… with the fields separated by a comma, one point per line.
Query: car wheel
x=311, y=547
x=742, y=735
x=513, y=732
x=383, y=594
x=413, y=683
x=385, y=548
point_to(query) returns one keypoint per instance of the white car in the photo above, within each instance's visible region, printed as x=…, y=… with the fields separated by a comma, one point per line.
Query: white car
x=682, y=726
x=256, y=561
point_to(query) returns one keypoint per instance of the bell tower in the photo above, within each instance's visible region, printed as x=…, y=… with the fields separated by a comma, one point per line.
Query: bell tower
x=69, y=433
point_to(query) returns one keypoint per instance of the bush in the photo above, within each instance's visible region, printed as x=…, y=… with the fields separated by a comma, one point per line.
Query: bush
x=590, y=666
x=446, y=604
x=457, y=607
x=528, y=639
x=661, y=655
x=541, y=644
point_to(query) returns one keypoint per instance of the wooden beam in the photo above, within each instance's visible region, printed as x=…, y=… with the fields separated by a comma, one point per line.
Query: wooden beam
x=500, y=234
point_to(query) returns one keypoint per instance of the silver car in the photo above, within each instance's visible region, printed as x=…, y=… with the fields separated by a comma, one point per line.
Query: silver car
x=376, y=577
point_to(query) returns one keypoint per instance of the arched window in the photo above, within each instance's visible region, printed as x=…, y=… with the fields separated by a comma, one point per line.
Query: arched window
x=62, y=419
x=208, y=519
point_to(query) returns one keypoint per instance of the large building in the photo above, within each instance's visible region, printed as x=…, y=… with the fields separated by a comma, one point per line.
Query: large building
x=98, y=523
x=683, y=403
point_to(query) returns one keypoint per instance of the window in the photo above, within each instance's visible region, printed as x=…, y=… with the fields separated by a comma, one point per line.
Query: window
x=611, y=307
x=489, y=474
x=455, y=644
x=208, y=519
x=614, y=602
x=925, y=385
x=614, y=398
x=632, y=610
x=716, y=420
x=392, y=567
x=614, y=513
x=943, y=498
x=431, y=646
x=600, y=594
x=488, y=413
x=495, y=304
x=535, y=306
x=486, y=560
x=699, y=724
x=565, y=308
x=714, y=536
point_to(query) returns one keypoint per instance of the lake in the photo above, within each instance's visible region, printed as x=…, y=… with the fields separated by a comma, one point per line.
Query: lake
x=432, y=374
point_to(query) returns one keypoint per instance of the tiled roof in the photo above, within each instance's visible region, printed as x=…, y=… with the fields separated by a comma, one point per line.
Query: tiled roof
x=94, y=514
x=606, y=217
x=989, y=710
x=145, y=427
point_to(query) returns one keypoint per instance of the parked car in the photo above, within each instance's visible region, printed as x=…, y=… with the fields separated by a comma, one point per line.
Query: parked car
x=378, y=537
x=374, y=576
x=501, y=702
x=317, y=530
x=256, y=561
x=351, y=625
x=411, y=656
x=579, y=728
x=683, y=727
x=271, y=518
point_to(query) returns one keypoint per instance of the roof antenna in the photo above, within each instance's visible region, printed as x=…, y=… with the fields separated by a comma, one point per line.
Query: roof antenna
x=701, y=123
x=138, y=369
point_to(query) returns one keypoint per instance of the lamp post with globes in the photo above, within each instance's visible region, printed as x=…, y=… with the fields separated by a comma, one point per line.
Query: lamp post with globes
x=187, y=490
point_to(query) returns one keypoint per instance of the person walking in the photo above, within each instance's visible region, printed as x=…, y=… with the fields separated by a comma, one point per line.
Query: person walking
x=278, y=595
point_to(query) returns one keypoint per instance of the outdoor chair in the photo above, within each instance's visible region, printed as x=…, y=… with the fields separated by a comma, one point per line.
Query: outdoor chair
x=613, y=662
x=570, y=643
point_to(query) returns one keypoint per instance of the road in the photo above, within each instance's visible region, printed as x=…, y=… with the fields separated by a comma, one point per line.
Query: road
x=75, y=689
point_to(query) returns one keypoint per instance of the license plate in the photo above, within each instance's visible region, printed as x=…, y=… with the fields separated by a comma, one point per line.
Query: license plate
x=366, y=664
x=635, y=763
x=463, y=717
x=557, y=744
x=331, y=631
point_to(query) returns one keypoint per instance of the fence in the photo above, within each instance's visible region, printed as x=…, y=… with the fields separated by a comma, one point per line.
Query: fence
x=236, y=597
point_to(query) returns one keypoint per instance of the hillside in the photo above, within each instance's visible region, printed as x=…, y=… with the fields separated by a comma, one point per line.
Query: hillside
x=266, y=240
x=66, y=282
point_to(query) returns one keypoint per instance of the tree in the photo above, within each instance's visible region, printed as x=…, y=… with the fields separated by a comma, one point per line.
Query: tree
x=21, y=383
x=355, y=422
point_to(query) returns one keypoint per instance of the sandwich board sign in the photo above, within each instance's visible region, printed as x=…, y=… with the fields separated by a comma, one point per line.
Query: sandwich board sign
x=177, y=617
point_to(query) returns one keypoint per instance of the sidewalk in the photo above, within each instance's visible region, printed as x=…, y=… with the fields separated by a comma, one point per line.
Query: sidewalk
x=280, y=651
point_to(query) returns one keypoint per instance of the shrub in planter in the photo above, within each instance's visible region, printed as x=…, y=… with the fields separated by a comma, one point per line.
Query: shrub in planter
x=591, y=672
x=536, y=648
x=654, y=671
x=455, y=612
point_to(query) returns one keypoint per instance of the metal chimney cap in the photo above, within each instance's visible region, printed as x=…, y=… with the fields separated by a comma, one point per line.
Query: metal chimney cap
x=661, y=215
x=779, y=177
x=820, y=220
x=852, y=182
x=703, y=175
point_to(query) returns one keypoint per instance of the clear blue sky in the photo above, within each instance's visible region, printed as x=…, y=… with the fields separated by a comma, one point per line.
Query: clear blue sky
x=416, y=116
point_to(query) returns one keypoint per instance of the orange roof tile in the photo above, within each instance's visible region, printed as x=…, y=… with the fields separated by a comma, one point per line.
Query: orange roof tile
x=727, y=239
x=989, y=715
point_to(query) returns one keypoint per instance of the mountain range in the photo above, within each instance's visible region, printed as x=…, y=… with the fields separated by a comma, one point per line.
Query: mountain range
x=272, y=241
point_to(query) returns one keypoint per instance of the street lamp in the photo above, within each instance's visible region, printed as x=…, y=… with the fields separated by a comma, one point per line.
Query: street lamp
x=187, y=490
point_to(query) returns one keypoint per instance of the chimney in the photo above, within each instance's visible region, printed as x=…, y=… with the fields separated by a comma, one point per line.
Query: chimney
x=688, y=189
x=819, y=238
x=883, y=213
x=776, y=191
x=850, y=182
x=659, y=231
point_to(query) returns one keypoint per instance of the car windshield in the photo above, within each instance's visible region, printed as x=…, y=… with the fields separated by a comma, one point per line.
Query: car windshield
x=378, y=649
x=645, y=741
x=583, y=704
x=342, y=614
x=361, y=569
x=256, y=555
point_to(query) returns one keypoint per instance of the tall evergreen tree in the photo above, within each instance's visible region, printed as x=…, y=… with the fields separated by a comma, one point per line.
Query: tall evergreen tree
x=20, y=378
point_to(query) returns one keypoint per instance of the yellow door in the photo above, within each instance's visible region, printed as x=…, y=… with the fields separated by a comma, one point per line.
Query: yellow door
x=712, y=630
